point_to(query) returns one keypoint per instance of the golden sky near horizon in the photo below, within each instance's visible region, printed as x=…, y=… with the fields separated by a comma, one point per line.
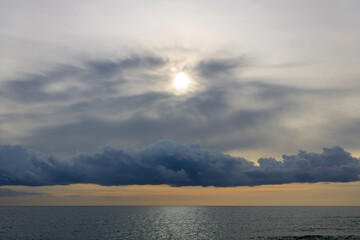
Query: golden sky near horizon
x=318, y=194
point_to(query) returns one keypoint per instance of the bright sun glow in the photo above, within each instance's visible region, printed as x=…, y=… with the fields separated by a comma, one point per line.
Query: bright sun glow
x=181, y=81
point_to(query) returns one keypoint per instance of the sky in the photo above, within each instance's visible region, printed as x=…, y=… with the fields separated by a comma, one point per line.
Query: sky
x=179, y=102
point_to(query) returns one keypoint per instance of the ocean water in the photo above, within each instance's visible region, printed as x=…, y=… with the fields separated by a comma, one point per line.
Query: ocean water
x=179, y=223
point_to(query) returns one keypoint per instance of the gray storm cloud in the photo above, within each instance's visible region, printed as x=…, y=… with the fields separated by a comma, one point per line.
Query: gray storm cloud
x=175, y=164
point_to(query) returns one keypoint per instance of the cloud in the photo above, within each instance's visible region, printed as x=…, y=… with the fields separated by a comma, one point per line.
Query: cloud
x=211, y=68
x=91, y=79
x=128, y=102
x=193, y=119
x=348, y=132
x=171, y=163
x=11, y=193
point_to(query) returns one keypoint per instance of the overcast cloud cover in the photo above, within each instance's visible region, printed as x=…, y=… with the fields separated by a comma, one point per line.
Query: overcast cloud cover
x=267, y=79
x=129, y=103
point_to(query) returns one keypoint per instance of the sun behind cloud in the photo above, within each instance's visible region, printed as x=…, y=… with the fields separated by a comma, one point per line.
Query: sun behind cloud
x=181, y=81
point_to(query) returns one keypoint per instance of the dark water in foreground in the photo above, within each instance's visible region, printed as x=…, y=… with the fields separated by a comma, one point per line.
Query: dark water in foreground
x=179, y=223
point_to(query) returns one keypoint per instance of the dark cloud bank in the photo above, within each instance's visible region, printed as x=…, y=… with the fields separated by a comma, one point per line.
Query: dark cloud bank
x=168, y=162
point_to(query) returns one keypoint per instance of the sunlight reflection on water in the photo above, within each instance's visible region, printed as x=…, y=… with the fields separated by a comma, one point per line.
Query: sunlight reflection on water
x=178, y=222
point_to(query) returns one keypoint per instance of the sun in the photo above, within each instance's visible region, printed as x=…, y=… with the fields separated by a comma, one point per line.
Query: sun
x=181, y=81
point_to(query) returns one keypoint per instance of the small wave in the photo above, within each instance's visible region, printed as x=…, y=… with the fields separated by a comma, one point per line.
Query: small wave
x=313, y=237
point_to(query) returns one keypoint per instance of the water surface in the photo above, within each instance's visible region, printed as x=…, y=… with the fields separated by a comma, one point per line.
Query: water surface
x=179, y=223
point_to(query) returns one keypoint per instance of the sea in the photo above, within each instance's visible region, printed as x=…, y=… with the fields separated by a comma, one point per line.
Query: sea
x=179, y=222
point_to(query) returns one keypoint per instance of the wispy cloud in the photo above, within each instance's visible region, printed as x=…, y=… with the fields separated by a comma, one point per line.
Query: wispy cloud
x=219, y=67
x=92, y=78
x=128, y=102
x=12, y=193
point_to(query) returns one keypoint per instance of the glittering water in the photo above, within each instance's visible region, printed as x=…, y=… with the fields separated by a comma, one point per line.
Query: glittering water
x=179, y=223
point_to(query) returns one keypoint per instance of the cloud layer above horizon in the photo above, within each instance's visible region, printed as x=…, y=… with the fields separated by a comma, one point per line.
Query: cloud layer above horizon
x=129, y=102
x=77, y=76
x=174, y=164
